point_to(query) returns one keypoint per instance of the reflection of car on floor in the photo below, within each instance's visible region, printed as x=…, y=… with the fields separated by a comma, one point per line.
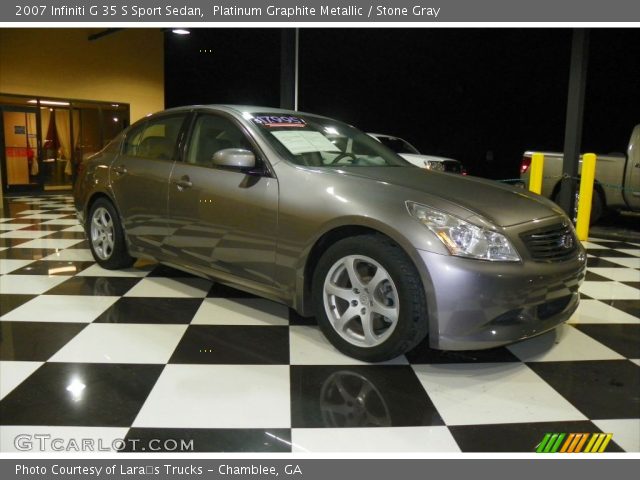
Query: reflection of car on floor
x=313, y=213
x=617, y=181
x=349, y=399
x=412, y=155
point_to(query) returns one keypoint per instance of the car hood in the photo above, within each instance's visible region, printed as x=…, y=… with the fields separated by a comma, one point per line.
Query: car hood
x=464, y=196
x=421, y=159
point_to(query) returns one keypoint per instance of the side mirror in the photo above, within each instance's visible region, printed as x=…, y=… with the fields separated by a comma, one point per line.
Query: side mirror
x=234, y=158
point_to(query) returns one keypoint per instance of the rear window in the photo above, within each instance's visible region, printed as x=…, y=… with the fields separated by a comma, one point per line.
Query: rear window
x=155, y=139
x=113, y=147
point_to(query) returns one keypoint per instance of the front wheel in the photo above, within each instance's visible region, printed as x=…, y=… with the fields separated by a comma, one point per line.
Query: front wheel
x=106, y=236
x=368, y=298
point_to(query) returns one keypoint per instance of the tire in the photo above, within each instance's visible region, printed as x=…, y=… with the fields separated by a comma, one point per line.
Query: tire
x=598, y=208
x=106, y=237
x=395, y=306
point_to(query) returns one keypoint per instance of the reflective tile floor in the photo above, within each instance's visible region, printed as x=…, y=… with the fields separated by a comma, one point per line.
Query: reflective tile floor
x=147, y=358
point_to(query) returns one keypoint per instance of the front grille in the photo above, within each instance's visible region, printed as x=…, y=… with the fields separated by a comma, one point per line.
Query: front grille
x=551, y=244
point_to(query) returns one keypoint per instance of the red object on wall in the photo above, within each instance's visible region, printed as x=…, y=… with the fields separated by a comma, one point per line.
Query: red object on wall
x=19, y=152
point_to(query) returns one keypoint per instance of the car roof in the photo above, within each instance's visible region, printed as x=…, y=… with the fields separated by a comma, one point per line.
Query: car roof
x=239, y=109
x=235, y=109
x=384, y=135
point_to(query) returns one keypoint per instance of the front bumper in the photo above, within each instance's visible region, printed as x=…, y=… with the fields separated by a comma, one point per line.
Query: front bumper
x=476, y=304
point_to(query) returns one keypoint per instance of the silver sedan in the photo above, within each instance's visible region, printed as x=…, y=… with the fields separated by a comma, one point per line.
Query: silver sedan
x=313, y=213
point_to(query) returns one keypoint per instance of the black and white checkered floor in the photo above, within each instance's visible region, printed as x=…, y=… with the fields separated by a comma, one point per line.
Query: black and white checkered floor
x=153, y=353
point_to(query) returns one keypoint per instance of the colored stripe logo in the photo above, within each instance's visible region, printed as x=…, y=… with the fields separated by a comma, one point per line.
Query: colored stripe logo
x=574, y=443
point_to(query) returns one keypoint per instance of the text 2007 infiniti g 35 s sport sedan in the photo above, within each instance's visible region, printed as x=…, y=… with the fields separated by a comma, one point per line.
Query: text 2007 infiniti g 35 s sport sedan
x=311, y=212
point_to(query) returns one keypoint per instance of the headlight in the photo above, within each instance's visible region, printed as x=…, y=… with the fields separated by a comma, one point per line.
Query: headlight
x=463, y=238
x=433, y=165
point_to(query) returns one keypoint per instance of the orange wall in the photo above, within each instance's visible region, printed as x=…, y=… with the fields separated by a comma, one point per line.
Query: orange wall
x=126, y=66
x=12, y=120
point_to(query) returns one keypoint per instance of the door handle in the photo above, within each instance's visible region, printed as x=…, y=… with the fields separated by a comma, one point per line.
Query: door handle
x=120, y=170
x=184, y=182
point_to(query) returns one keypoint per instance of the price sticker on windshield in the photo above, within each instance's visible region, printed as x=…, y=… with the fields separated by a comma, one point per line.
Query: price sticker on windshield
x=273, y=121
x=304, y=142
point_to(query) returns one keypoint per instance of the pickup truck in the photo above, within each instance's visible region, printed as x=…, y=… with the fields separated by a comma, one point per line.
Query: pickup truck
x=617, y=180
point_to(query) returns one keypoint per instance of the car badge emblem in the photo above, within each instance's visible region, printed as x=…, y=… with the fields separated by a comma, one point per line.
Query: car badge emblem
x=566, y=241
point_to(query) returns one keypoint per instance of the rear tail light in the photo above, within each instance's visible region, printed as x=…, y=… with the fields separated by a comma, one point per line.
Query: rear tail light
x=526, y=163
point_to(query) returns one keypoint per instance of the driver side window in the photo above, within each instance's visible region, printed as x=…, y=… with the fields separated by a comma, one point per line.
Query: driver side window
x=212, y=133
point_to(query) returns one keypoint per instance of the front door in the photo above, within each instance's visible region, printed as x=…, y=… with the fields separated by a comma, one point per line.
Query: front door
x=140, y=180
x=223, y=219
x=20, y=149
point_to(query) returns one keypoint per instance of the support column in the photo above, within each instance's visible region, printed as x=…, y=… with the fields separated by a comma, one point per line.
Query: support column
x=289, y=69
x=574, y=117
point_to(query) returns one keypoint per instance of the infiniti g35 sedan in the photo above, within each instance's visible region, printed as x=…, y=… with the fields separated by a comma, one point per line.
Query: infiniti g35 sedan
x=313, y=213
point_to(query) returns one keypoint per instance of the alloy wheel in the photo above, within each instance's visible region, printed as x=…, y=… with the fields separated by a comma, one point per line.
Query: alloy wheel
x=361, y=301
x=102, y=233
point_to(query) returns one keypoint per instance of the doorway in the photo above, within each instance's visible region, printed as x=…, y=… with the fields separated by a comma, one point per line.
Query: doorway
x=20, y=149
x=42, y=141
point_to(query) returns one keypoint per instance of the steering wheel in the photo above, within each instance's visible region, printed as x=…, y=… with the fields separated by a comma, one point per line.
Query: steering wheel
x=343, y=155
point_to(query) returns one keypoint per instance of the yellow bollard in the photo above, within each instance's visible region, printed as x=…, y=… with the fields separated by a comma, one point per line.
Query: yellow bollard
x=535, y=174
x=586, y=195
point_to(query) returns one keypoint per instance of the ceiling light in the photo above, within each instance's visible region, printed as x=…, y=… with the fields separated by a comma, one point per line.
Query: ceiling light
x=48, y=102
x=180, y=31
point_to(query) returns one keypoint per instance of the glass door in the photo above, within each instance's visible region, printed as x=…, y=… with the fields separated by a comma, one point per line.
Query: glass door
x=57, y=147
x=20, y=149
x=44, y=140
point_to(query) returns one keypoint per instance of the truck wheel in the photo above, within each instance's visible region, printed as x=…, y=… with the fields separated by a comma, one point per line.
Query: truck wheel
x=368, y=298
x=106, y=236
x=597, y=206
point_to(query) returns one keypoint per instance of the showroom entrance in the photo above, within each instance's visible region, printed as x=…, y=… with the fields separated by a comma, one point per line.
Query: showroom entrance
x=43, y=140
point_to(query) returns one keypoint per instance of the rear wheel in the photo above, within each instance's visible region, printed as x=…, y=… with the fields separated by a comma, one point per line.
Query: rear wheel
x=106, y=236
x=368, y=298
x=598, y=208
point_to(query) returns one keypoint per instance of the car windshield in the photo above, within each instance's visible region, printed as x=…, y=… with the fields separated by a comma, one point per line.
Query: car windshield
x=320, y=142
x=398, y=145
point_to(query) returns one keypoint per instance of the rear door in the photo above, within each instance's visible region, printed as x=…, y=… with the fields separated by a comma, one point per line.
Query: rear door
x=223, y=219
x=140, y=180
